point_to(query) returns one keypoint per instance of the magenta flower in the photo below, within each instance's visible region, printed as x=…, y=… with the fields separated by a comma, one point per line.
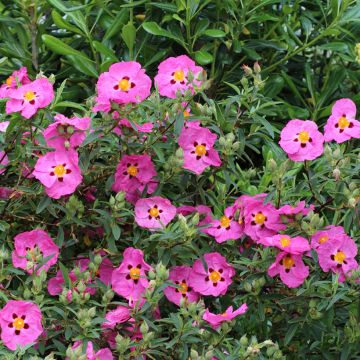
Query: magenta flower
x=173, y=76
x=28, y=98
x=291, y=269
x=36, y=244
x=59, y=172
x=117, y=316
x=227, y=228
x=66, y=133
x=18, y=77
x=199, y=153
x=296, y=245
x=4, y=160
x=125, y=82
x=341, y=125
x=20, y=323
x=129, y=279
x=133, y=173
x=216, y=319
x=216, y=279
x=301, y=140
x=154, y=213
x=180, y=275
x=338, y=255
x=331, y=233
x=260, y=220
x=5, y=192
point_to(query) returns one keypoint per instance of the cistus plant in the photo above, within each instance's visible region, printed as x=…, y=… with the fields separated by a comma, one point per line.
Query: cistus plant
x=179, y=180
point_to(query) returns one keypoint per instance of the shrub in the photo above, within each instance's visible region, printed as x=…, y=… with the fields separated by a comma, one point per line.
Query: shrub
x=161, y=199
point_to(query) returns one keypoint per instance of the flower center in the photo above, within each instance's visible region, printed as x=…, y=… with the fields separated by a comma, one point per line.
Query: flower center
x=304, y=137
x=154, y=212
x=124, y=84
x=285, y=241
x=343, y=123
x=200, y=150
x=29, y=95
x=134, y=273
x=259, y=218
x=225, y=221
x=288, y=262
x=18, y=323
x=323, y=239
x=132, y=170
x=186, y=114
x=179, y=75
x=60, y=170
x=9, y=80
x=340, y=257
x=183, y=288
x=214, y=276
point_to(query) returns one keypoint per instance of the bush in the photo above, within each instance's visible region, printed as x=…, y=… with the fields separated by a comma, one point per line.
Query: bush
x=156, y=200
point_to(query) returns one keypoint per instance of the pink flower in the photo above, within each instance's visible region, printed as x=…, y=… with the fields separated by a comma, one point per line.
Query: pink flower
x=291, y=211
x=102, y=354
x=59, y=172
x=28, y=98
x=129, y=279
x=341, y=125
x=291, y=269
x=301, y=140
x=154, y=212
x=227, y=228
x=199, y=153
x=338, y=255
x=20, y=323
x=331, y=233
x=36, y=244
x=4, y=125
x=117, y=316
x=216, y=279
x=141, y=128
x=4, y=160
x=11, y=83
x=296, y=245
x=66, y=133
x=173, y=74
x=203, y=210
x=260, y=220
x=180, y=275
x=133, y=173
x=216, y=319
x=125, y=82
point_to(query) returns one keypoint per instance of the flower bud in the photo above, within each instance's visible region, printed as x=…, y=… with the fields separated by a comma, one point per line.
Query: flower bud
x=336, y=174
x=257, y=68
x=97, y=259
x=144, y=328
x=70, y=129
x=244, y=340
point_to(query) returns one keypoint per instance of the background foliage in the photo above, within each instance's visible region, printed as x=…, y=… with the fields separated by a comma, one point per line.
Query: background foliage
x=306, y=50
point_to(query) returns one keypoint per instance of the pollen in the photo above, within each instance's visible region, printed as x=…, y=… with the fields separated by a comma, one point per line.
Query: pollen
x=124, y=84
x=323, y=239
x=285, y=241
x=288, y=262
x=259, y=218
x=304, y=137
x=60, y=170
x=200, y=150
x=224, y=221
x=132, y=170
x=340, y=257
x=18, y=323
x=179, y=75
x=134, y=273
x=154, y=212
x=343, y=123
x=215, y=276
x=29, y=95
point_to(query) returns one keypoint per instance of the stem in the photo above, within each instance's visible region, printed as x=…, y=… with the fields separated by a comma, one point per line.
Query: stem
x=33, y=31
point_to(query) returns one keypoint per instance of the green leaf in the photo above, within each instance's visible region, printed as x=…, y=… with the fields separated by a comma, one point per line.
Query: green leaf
x=62, y=24
x=203, y=57
x=215, y=33
x=290, y=333
x=128, y=33
x=107, y=53
x=43, y=204
x=154, y=29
